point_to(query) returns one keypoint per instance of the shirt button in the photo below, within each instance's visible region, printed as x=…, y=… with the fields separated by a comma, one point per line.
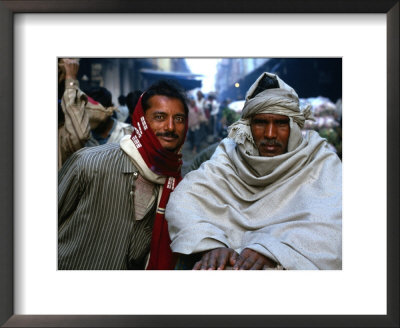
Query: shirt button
x=135, y=174
x=131, y=193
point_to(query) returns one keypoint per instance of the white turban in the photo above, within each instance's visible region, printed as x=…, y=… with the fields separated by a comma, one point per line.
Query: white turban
x=281, y=101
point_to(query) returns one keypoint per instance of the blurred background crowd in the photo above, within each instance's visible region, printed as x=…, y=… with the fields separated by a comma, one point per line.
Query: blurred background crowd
x=216, y=89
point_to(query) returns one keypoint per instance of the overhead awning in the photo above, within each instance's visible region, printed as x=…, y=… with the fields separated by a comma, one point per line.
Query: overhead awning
x=188, y=81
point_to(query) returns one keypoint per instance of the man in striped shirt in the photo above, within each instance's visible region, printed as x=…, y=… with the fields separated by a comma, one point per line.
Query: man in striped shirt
x=112, y=197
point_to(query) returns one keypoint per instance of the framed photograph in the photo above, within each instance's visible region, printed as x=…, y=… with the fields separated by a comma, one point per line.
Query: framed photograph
x=33, y=293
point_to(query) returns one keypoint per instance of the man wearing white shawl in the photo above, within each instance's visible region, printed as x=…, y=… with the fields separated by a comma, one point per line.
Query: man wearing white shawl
x=268, y=197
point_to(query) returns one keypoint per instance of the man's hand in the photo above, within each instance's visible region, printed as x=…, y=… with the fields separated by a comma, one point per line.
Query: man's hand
x=217, y=259
x=71, y=68
x=252, y=260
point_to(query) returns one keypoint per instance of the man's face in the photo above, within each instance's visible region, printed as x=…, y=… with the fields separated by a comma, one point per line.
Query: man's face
x=166, y=117
x=271, y=133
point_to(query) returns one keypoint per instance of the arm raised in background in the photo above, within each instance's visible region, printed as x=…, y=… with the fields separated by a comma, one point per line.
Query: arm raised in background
x=75, y=131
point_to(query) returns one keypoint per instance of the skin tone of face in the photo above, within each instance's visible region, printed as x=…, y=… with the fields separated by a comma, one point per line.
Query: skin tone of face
x=271, y=133
x=166, y=117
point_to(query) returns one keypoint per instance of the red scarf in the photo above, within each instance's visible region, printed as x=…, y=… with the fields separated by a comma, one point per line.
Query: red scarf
x=161, y=162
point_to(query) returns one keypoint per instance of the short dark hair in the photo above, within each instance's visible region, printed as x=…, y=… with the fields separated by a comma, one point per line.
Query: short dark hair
x=101, y=95
x=122, y=100
x=168, y=88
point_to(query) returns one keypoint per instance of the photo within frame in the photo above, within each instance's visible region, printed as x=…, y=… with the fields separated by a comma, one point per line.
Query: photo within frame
x=131, y=129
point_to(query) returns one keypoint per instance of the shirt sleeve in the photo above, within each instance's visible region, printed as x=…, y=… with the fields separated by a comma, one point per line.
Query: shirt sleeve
x=76, y=129
x=70, y=187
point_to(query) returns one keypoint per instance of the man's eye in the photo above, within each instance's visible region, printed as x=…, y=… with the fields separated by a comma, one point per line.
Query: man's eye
x=158, y=117
x=180, y=119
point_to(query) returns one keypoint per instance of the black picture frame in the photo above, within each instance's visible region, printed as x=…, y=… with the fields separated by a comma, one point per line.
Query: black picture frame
x=7, y=11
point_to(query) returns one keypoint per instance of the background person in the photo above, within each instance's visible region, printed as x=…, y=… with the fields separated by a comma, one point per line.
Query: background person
x=84, y=118
x=73, y=119
x=123, y=111
x=108, y=129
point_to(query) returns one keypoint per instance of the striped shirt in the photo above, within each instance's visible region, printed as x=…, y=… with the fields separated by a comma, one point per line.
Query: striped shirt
x=97, y=229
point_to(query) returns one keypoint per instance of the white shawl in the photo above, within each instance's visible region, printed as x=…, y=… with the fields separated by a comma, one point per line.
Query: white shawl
x=287, y=207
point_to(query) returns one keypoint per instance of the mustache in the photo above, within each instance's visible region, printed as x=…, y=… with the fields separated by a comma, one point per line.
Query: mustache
x=167, y=134
x=270, y=142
